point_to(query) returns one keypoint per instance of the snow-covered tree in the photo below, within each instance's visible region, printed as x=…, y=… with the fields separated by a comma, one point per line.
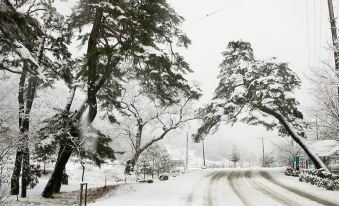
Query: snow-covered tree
x=254, y=91
x=31, y=46
x=146, y=121
x=234, y=156
x=285, y=152
x=126, y=40
x=326, y=110
x=269, y=160
x=155, y=160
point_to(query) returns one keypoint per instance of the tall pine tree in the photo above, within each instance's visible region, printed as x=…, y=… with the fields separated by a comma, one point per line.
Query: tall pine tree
x=258, y=93
x=127, y=40
x=28, y=48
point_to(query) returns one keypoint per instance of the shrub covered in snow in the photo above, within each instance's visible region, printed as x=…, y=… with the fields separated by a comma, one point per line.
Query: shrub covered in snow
x=320, y=178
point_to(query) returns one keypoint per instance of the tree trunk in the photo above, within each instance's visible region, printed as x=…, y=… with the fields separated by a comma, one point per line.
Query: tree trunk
x=57, y=173
x=44, y=168
x=23, y=150
x=54, y=182
x=24, y=119
x=25, y=169
x=32, y=83
x=315, y=159
x=130, y=164
x=138, y=135
x=58, y=181
x=144, y=170
x=92, y=61
x=18, y=159
x=16, y=173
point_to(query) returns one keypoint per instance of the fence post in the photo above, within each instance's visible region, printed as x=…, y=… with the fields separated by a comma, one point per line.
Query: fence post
x=81, y=193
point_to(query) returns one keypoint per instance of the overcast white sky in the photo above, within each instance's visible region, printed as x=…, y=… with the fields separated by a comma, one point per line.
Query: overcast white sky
x=294, y=31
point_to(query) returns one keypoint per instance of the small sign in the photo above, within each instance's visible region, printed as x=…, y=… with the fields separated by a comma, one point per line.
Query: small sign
x=300, y=162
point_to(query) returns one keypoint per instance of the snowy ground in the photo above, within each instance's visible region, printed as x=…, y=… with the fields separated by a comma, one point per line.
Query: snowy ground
x=109, y=174
x=223, y=187
x=211, y=187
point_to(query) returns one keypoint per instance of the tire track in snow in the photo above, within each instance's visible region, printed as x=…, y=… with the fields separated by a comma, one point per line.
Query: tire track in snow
x=214, y=179
x=296, y=191
x=232, y=177
x=197, y=186
x=267, y=192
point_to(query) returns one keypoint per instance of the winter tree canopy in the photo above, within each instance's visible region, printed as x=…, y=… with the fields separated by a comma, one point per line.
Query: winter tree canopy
x=253, y=91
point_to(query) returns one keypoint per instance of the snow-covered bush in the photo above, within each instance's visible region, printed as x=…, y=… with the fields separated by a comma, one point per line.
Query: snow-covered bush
x=320, y=178
x=5, y=174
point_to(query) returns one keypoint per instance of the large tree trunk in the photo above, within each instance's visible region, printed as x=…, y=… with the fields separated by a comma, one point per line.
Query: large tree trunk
x=24, y=119
x=16, y=173
x=18, y=158
x=57, y=173
x=54, y=183
x=23, y=147
x=92, y=61
x=32, y=83
x=315, y=159
x=25, y=169
x=58, y=181
x=130, y=164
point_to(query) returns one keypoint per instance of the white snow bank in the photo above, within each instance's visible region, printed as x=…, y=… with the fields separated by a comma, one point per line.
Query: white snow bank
x=325, y=147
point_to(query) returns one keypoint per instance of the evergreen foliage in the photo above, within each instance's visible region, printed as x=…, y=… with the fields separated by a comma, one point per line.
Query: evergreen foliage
x=253, y=91
x=136, y=34
x=34, y=36
x=96, y=147
x=245, y=86
x=235, y=155
x=127, y=40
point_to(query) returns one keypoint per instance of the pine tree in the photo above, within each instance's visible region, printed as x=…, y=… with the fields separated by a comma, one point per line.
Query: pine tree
x=253, y=91
x=128, y=40
x=28, y=43
x=235, y=156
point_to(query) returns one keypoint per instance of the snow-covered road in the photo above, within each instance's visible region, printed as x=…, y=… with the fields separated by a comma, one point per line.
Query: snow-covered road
x=248, y=187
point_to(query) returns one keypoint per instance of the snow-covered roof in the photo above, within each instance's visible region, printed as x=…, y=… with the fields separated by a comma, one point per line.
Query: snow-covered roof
x=326, y=148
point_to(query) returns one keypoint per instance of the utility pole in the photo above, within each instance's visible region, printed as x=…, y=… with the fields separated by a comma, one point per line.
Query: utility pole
x=316, y=126
x=334, y=33
x=203, y=152
x=186, y=163
x=334, y=38
x=263, y=152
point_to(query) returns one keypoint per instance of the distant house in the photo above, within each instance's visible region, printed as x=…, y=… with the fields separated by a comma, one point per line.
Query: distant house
x=328, y=152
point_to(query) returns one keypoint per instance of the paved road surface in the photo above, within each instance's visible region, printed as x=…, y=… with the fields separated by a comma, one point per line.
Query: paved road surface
x=224, y=188
x=252, y=188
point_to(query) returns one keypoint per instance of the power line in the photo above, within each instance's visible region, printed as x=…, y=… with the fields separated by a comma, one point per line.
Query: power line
x=315, y=33
x=308, y=35
x=213, y=13
x=320, y=32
